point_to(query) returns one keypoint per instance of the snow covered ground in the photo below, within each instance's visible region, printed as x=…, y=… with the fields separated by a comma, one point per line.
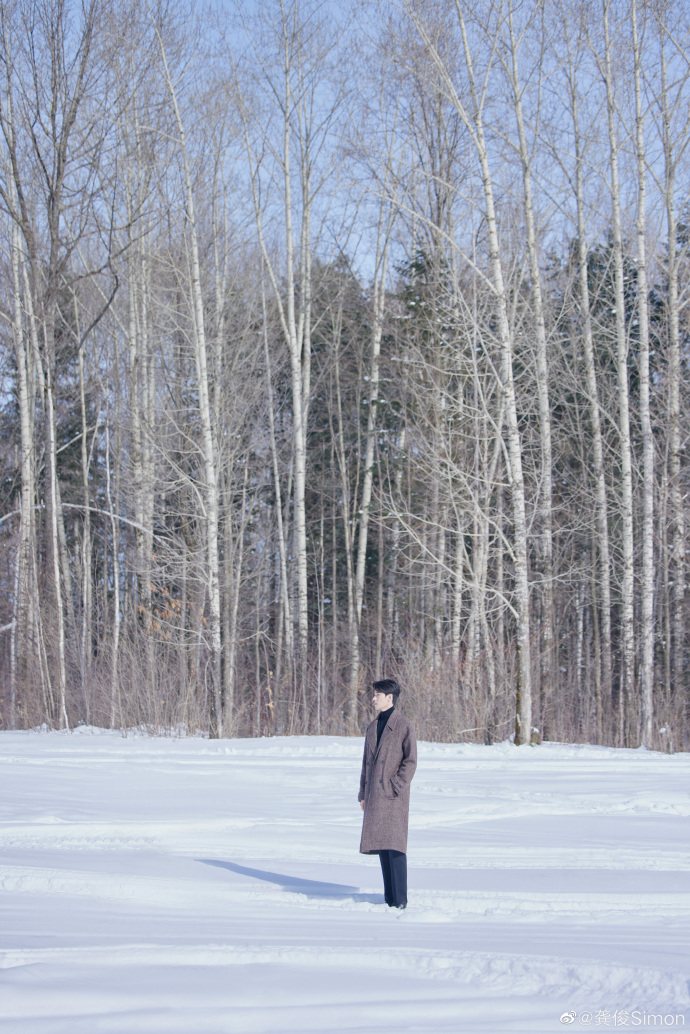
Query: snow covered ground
x=187, y=886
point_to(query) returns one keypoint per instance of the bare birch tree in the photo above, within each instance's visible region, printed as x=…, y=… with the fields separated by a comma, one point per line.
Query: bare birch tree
x=627, y=678
x=208, y=447
x=473, y=120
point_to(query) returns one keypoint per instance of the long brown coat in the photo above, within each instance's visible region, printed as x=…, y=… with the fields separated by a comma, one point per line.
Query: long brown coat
x=385, y=785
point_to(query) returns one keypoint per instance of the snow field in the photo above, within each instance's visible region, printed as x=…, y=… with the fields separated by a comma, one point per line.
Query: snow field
x=187, y=885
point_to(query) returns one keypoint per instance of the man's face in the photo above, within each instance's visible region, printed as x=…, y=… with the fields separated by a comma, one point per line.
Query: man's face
x=382, y=701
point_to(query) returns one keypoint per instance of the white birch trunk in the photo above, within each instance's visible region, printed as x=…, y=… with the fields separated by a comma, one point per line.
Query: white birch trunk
x=544, y=505
x=55, y=542
x=347, y=508
x=602, y=538
x=115, y=642
x=627, y=588
x=675, y=438
x=296, y=327
x=286, y=613
x=523, y=703
x=235, y=581
x=647, y=600
x=299, y=367
x=86, y=552
x=378, y=303
x=207, y=445
x=24, y=639
x=458, y=585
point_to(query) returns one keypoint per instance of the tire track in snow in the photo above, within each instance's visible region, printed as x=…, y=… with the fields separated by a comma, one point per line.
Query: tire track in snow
x=483, y=972
x=426, y=906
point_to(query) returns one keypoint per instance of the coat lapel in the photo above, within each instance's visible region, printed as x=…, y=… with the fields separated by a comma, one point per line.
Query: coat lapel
x=390, y=724
x=371, y=737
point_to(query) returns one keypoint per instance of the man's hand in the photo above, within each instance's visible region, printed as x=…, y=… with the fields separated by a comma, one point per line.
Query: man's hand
x=362, y=805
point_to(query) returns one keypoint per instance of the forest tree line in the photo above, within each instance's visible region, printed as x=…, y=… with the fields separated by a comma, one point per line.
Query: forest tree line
x=338, y=344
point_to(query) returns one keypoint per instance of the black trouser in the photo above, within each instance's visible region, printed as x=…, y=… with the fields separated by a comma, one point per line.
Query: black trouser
x=394, y=869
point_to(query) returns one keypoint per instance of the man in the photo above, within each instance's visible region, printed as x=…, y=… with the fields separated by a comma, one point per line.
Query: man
x=390, y=758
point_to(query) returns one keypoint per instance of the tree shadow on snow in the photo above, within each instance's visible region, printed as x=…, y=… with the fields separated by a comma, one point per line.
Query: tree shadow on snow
x=311, y=888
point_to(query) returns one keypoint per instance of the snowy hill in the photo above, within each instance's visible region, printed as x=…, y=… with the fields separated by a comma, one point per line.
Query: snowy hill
x=187, y=886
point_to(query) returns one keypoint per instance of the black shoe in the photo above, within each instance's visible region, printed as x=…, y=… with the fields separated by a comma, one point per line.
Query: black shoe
x=399, y=906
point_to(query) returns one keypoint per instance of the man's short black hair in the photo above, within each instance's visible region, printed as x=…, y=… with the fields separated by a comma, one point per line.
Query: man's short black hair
x=389, y=687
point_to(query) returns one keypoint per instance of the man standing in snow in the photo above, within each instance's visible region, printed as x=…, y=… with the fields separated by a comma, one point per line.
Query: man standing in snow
x=390, y=758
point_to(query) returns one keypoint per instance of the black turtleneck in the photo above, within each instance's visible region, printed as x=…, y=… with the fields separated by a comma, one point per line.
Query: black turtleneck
x=381, y=725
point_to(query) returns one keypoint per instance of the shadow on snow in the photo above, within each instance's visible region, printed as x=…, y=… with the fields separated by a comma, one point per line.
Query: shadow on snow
x=312, y=888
